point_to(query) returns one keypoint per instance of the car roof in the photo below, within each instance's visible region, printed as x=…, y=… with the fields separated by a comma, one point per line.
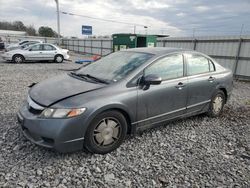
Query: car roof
x=29, y=40
x=157, y=50
x=51, y=44
x=44, y=43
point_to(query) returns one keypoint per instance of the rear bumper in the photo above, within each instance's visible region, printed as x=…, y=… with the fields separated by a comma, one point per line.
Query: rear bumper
x=63, y=135
x=66, y=57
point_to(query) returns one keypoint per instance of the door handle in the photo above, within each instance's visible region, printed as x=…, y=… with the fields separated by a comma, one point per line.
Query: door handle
x=211, y=79
x=40, y=52
x=180, y=85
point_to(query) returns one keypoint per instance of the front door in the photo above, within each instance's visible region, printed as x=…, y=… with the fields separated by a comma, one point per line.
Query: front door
x=167, y=100
x=34, y=53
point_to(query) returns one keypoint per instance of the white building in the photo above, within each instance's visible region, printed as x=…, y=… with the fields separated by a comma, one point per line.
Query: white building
x=11, y=32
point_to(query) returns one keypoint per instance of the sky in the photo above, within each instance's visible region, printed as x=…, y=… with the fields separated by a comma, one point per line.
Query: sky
x=170, y=17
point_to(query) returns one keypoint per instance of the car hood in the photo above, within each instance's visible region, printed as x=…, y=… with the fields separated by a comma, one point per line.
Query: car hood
x=55, y=89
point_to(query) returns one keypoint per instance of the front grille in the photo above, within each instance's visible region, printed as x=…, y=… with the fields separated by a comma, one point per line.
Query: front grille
x=48, y=140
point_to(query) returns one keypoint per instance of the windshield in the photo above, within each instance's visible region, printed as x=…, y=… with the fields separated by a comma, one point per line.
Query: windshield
x=26, y=47
x=115, y=66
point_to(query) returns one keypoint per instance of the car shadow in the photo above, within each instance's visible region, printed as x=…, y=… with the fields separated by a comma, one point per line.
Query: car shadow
x=172, y=123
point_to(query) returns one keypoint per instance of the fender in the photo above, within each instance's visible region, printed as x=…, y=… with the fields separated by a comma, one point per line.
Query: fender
x=116, y=106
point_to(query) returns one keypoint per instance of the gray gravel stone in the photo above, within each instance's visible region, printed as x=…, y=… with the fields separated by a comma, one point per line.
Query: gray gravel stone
x=193, y=152
x=109, y=177
x=39, y=172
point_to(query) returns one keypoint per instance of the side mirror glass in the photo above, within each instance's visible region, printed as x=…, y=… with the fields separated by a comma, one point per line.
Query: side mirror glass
x=152, y=79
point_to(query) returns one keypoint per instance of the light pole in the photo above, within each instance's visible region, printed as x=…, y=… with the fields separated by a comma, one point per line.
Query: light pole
x=146, y=29
x=58, y=21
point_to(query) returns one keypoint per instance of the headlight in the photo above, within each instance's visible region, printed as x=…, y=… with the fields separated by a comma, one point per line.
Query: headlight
x=62, y=113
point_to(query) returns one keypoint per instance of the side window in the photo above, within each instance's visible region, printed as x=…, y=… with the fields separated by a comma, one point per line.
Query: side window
x=211, y=66
x=36, y=48
x=47, y=47
x=197, y=64
x=169, y=67
x=23, y=42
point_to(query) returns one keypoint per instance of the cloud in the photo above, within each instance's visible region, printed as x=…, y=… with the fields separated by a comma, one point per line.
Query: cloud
x=202, y=8
x=149, y=5
x=208, y=17
x=181, y=14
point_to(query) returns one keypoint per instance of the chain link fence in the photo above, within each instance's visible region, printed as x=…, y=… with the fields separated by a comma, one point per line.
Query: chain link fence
x=230, y=51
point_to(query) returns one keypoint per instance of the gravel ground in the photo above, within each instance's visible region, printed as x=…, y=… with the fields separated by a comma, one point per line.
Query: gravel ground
x=194, y=152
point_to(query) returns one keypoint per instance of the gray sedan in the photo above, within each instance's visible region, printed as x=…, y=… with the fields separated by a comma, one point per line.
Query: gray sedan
x=123, y=93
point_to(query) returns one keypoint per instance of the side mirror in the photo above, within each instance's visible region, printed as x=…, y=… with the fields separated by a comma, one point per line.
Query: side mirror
x=152, y=79
x=30, y=49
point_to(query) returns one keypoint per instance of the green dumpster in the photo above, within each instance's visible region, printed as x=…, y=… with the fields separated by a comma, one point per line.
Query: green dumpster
x=124, y=41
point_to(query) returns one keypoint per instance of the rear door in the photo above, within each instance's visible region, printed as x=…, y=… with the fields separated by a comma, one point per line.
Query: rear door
x=49, y=52
x=201, y=81
x=167, y=100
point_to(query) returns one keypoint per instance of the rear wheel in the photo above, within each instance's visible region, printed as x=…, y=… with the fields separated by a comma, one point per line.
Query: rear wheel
x=106, y=132
x=58, y=58
x=216, y=104
x=18, y=58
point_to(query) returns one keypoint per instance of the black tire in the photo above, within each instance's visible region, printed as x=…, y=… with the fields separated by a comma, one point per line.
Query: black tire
x=18, y=58
x=93, y=137
x=214, y=111
x=58, y=58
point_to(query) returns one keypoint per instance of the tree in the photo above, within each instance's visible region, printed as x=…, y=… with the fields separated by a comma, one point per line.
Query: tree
x=31, y=30
x=46, y=32
x=19, y=26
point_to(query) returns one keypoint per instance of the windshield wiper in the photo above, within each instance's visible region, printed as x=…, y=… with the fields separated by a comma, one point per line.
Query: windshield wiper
x=96, y=79
x=90, y=77
x=78, y=75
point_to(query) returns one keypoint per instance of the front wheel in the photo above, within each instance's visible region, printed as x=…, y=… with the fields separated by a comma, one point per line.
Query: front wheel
x=216, y=104
x=18, y=58
x=58, y=58
x=106, y=132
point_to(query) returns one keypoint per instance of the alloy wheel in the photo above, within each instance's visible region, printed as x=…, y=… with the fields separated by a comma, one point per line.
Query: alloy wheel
x=59, y=59
x=18, y=59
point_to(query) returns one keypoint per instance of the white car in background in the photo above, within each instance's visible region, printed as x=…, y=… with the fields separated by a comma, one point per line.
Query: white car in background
x=21, y=43
x=22, y=46
x=37, y=52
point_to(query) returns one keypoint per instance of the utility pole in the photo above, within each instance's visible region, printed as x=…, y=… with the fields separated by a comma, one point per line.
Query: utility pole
x=241, y=29
x=146, y=29
x=193, y=32
x=58, y=21
x=134, y=29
